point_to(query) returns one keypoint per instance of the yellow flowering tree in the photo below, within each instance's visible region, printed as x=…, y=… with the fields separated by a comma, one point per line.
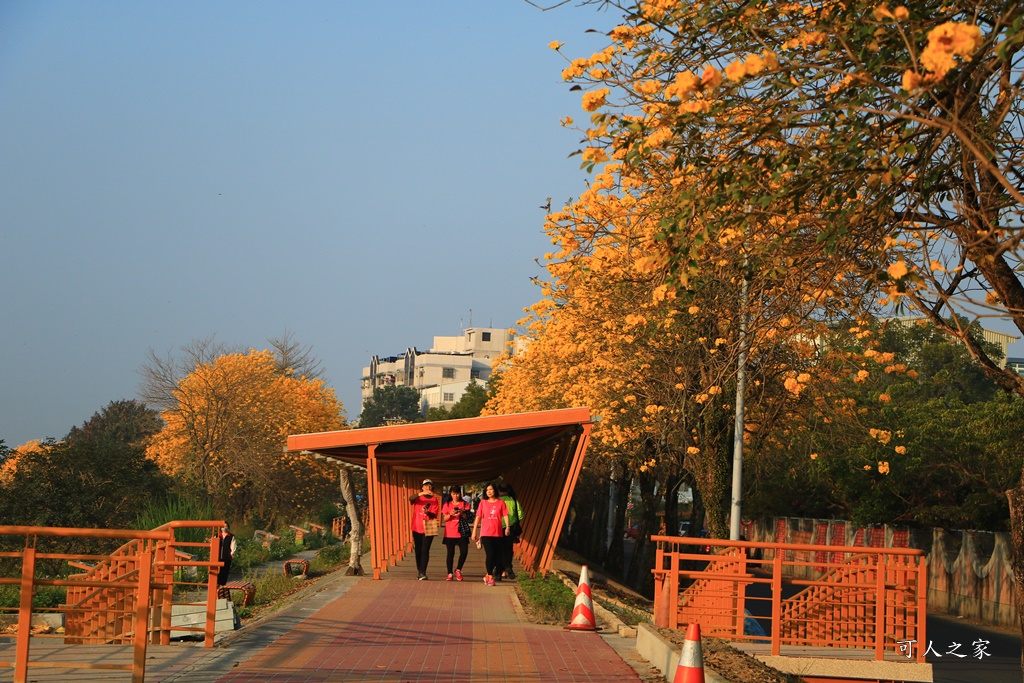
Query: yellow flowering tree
x=225, y=433
x=655, y=359
x=885, y=138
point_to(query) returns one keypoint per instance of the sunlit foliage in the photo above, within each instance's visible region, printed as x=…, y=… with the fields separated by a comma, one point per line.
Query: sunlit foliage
x=226, y=431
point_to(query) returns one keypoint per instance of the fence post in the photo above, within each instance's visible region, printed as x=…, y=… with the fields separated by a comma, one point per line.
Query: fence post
x=777, y=600
x=922, y=607
x=880, y=604
x=28, y=575
x=145, y=586
x=211, y=589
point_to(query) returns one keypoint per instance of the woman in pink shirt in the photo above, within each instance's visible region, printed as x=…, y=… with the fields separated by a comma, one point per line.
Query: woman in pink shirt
x=425, y=505
x=451, y=515
x=492, y=521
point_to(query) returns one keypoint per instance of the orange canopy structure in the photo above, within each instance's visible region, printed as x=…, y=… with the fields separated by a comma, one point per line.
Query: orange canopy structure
x=540, y=454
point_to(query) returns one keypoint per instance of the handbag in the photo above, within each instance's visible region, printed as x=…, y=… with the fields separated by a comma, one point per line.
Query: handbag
x=515, y=530
x=466, y=518
x=431, y=527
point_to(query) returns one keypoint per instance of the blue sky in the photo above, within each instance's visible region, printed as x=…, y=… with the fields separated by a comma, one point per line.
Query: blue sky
x=363, y=175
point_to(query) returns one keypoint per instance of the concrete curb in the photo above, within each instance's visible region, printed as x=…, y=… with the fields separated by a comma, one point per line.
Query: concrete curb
x=664, y=655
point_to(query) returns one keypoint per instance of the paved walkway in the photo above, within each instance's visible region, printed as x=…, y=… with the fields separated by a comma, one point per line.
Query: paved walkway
x=394, y=630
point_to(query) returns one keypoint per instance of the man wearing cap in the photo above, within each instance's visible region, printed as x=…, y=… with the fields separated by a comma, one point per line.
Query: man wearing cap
x=425, y=505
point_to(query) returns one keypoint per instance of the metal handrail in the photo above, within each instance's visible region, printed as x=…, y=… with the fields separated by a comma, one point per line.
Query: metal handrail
x=135, y=585
x=875, y=598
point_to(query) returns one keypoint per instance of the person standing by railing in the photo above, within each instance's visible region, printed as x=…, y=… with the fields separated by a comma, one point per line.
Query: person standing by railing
x=228, y=546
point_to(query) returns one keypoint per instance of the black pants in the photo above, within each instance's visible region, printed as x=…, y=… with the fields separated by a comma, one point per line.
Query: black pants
x=222, y=575
x=492, y=555
x=507, y=547
x=421, y=542
x=463, y=545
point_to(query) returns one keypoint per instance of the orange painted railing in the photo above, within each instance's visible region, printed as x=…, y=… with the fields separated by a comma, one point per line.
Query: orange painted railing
x=124, y=598
x=872, y=598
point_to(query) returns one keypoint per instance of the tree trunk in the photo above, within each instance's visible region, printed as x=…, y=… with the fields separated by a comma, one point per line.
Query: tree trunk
x=616, y=550
x=639, y=573
x=672, y=484
x=1015, y=497
x=355, y=567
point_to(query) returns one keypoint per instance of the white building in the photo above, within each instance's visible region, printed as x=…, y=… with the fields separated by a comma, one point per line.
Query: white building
x=441, y=374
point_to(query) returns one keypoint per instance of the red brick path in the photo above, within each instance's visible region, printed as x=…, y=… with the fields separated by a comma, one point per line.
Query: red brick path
x=400, y=629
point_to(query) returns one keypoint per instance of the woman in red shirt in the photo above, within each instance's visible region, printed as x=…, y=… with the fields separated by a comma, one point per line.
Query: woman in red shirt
x=492, y=521
x=451, y=514
x=425, y=505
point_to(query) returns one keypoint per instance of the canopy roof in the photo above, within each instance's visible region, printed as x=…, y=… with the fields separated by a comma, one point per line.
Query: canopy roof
x=468, y=450
x=539, y=453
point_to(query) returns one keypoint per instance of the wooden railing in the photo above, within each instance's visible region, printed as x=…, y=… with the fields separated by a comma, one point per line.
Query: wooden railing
x=125, y=597
x=873, y=598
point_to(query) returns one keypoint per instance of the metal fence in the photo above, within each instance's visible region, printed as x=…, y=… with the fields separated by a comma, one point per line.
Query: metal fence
x=796, y=594
x=125, y=597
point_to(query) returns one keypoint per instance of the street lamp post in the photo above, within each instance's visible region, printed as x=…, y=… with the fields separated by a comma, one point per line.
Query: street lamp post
x=738, y=427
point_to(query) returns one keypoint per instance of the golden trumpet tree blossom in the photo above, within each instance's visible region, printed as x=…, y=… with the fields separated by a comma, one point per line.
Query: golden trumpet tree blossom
x=226, y=432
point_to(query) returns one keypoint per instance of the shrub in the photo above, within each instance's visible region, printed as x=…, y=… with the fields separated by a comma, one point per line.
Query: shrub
x=45, y=596
x=548, y=598
x=271, y=586
x=249, y=554
x=328, y=557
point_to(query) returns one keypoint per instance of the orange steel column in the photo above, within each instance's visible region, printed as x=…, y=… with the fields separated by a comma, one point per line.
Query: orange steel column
x=383, y=505
x=394, y=493
x=28, y=572
x=545, y=473
x=566, y=497
x=373, y=492
x=145, y=585
x=406, y=531
x=554, y=475
x=401, y=516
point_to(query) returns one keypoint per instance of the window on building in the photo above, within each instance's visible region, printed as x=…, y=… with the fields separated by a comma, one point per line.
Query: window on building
x=485, y=336
x=448, y=373
x=474, y=373
x=449, y=397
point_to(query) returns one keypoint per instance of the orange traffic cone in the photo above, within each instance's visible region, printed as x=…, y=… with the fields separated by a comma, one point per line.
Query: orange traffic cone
x=691, y=661
x=583, y=610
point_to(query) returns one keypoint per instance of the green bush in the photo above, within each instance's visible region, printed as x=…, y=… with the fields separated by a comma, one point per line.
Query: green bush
x=271, y=586
x=328, y=557
x=249, y=554
x=549, y=599
x=45, y=597
x=285, y=546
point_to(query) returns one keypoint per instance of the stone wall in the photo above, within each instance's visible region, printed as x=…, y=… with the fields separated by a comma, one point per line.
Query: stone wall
x=969, y=572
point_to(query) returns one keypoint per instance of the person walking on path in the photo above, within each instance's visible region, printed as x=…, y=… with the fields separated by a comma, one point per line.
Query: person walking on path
x=425, y=508
x=515, y=517
x=228, y=546
x=455, y=515
x=492, y=522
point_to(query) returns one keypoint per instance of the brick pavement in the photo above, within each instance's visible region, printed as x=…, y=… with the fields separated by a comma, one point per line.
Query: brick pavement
x=389, y=631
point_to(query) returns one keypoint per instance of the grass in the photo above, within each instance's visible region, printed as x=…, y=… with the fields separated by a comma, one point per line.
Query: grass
x=548, y=599
x=627, y=615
